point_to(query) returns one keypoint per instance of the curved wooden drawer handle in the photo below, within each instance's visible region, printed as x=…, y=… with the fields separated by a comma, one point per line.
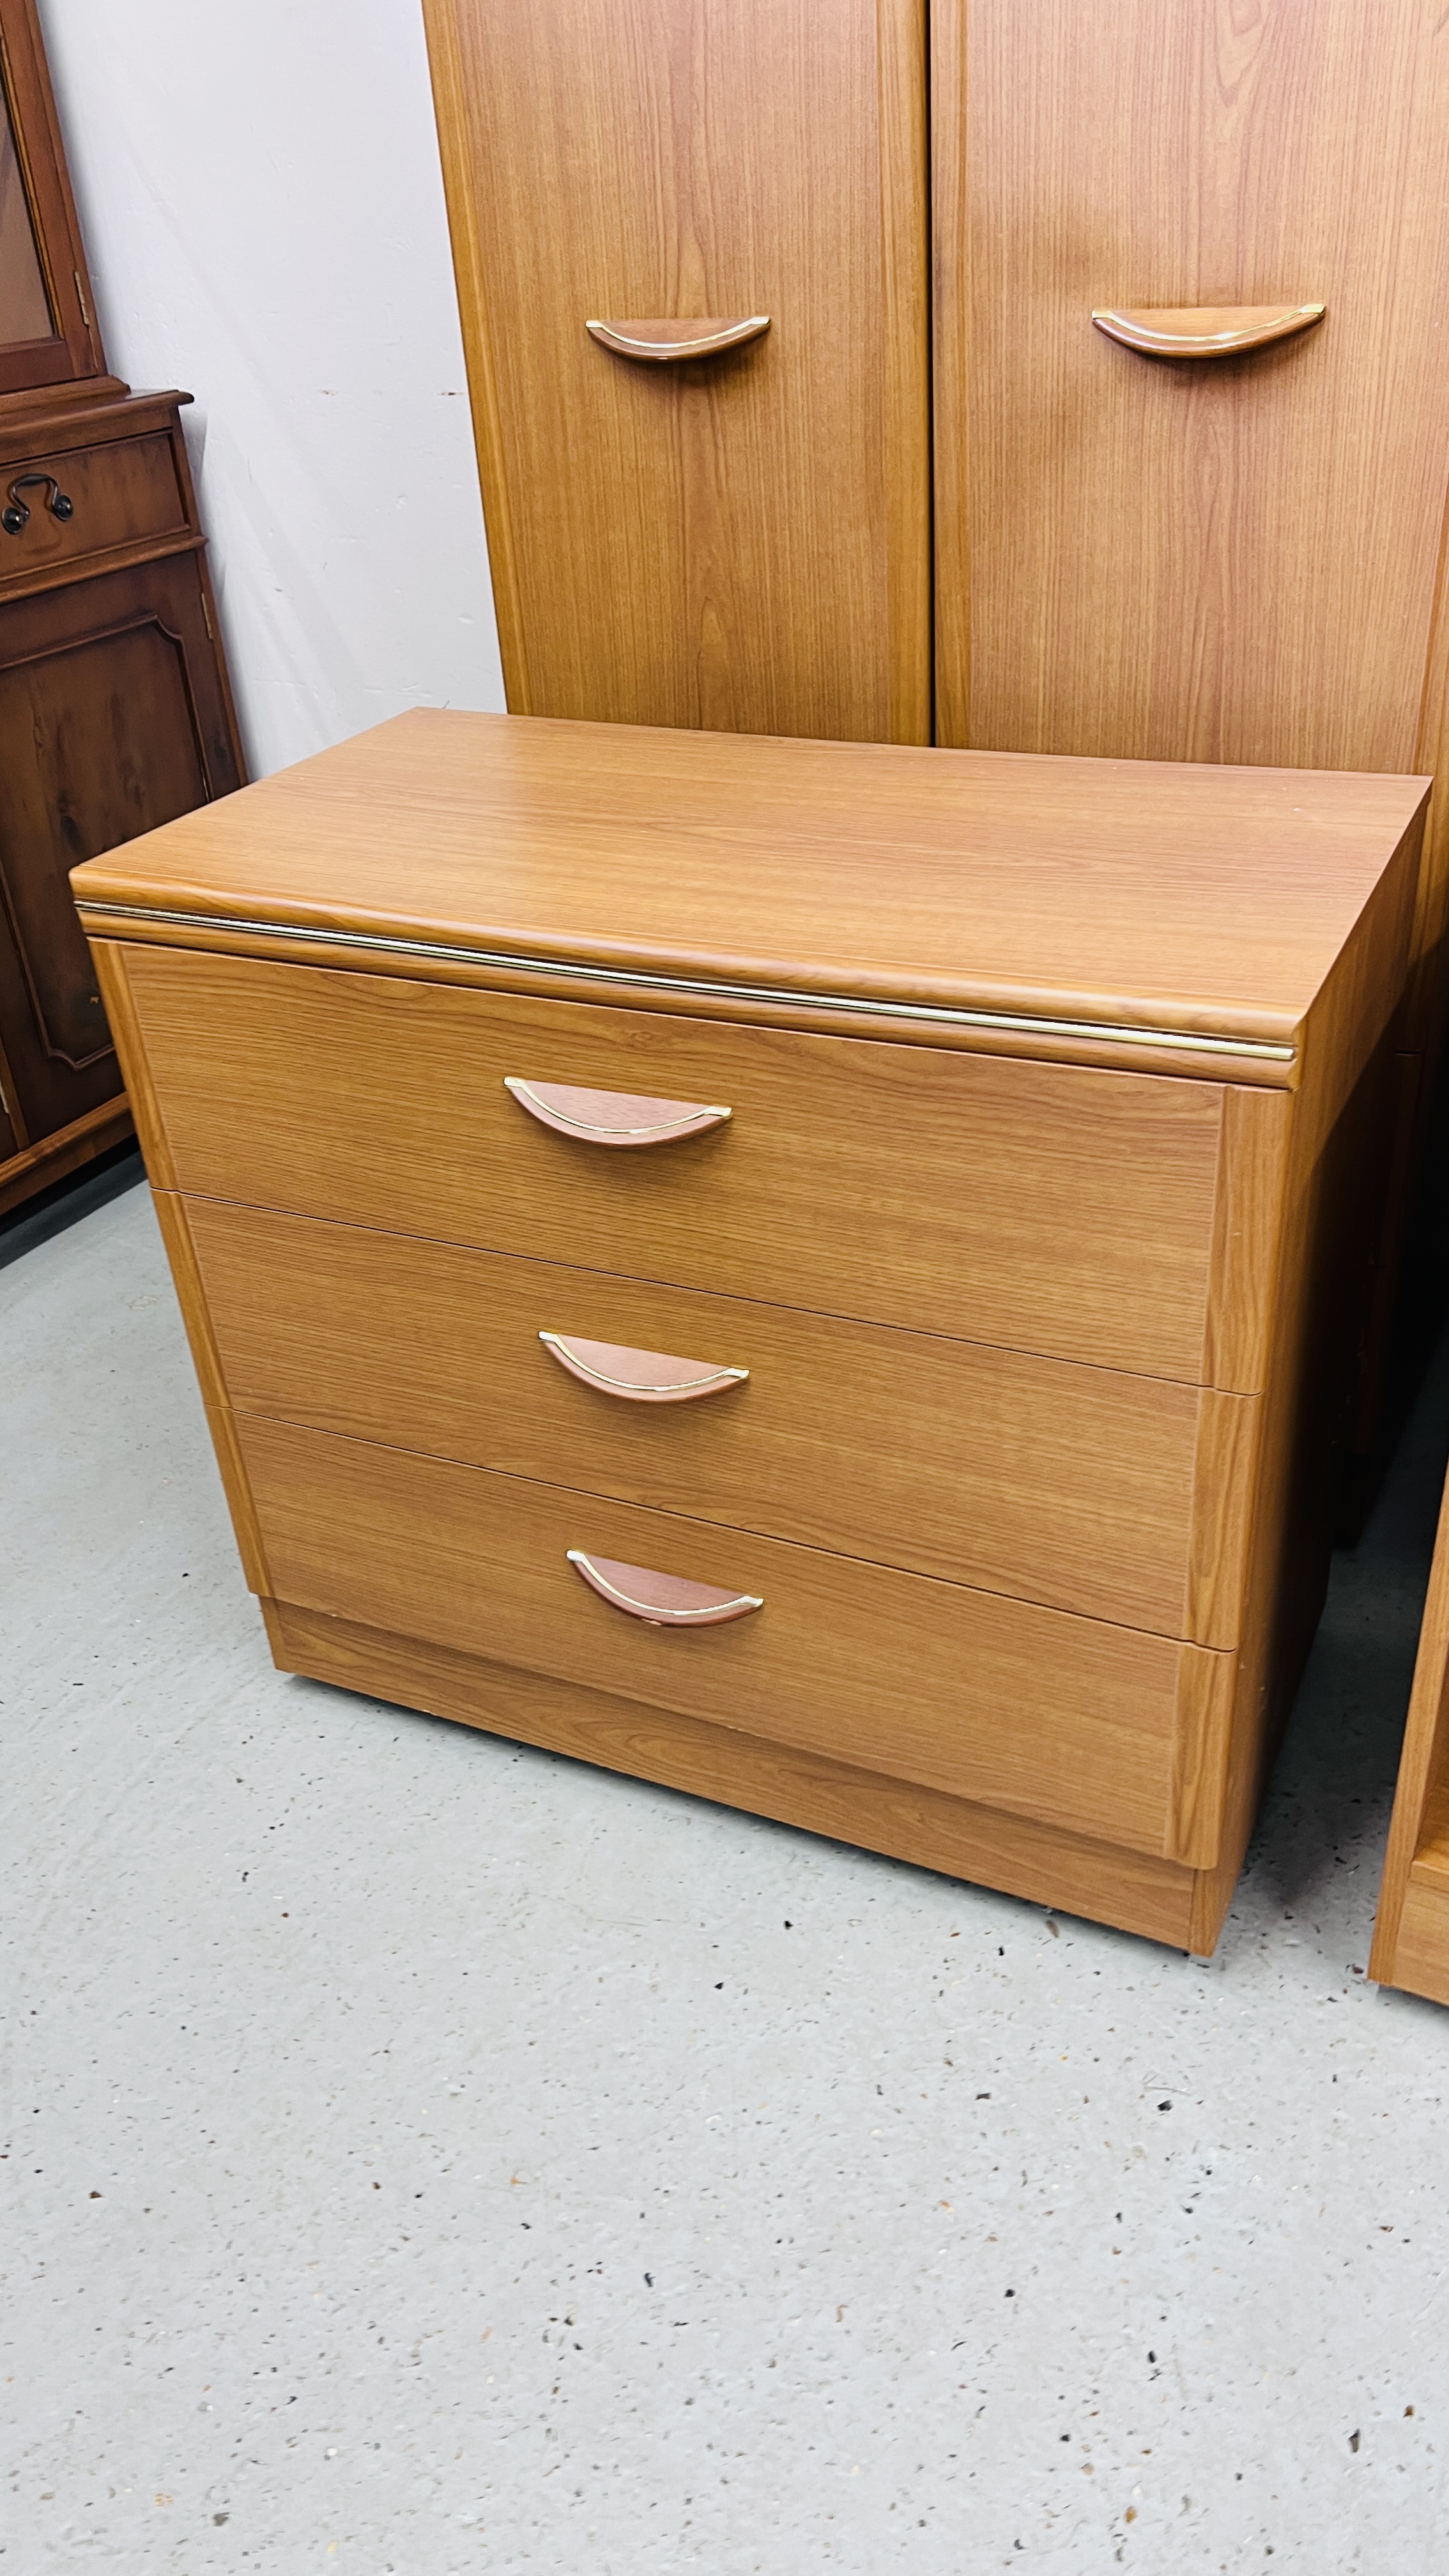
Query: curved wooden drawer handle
x=661, y=1600
x=641, y=1377
x=667, y=344
x=612, y=1117
x=1205, y=330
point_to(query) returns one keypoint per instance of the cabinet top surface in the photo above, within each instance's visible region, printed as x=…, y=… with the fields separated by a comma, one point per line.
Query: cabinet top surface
x=1202, y=899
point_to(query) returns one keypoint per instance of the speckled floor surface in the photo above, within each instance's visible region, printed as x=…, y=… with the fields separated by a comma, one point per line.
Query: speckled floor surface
x=426, y=2155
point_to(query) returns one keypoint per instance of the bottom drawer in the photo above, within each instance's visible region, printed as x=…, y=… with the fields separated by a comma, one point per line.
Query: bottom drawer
x=1106, y=1731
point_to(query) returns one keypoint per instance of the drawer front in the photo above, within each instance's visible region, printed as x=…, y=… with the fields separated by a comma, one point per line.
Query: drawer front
x=1125, y=1498
x=1036, y=1207
x=118, y=494
x=1100, y=1729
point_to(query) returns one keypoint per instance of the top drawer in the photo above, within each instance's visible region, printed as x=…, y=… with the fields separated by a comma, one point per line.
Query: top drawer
x=119, y=494
x=1064, y=1211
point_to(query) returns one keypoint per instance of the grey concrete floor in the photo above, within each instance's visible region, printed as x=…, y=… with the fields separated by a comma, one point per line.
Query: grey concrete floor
x=428, y=2155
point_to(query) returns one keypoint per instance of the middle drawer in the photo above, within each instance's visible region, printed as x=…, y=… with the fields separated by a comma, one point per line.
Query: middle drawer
x=1084, y=1489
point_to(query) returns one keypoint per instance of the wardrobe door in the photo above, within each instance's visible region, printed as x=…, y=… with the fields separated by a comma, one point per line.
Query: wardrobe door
x=1223, y=542
x=1201, y=556
x=736, y=537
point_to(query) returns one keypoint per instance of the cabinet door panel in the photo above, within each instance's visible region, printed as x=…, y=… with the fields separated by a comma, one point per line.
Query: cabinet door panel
x=107, y=729
x=1190, y=559
x=738, y=542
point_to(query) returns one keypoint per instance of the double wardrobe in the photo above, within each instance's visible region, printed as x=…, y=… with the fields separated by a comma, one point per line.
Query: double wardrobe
x=1023, y=375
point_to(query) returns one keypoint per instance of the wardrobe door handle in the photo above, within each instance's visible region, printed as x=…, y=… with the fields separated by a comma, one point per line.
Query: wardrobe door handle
x=641, y=1377
x=1204, y=330
x=612, y=1117
x=669, y=344
x=661, y=1600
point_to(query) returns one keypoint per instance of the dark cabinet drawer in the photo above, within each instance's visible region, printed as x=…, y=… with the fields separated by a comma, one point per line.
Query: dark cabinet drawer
x=87, y=501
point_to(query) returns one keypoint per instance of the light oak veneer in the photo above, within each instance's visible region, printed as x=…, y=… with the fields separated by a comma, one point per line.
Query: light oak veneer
x=1085, y=1229
x=743, y=541
x=1126, y=1498
x=1066, y=1720
x=1031, y=1472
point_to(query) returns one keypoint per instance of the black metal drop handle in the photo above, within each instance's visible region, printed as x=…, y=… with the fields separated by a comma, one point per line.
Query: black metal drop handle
x=16, y=515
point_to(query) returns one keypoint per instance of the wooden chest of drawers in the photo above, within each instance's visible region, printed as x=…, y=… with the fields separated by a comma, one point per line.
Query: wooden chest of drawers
x=821, y=1274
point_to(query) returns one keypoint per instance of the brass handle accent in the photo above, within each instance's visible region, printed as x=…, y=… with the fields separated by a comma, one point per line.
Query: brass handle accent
x=668, y=344
x=641, y=1377
x=1205, y=330
x=661, y=1600
x=612, y=1117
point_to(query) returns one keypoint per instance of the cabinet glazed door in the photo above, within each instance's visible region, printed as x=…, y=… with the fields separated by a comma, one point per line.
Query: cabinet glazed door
x=738, y=538
x=1199, y=556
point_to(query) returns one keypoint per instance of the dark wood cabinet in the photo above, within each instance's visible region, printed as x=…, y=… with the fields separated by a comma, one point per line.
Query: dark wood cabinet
x=115, y=710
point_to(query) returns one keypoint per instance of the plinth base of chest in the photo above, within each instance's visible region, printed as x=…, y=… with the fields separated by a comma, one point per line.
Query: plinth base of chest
x=1128, y=1889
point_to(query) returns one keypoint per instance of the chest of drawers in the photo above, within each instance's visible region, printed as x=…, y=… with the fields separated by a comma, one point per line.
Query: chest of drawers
x=820, y=1274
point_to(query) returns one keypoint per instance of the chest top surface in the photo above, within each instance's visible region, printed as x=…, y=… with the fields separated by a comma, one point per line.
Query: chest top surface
x=1151, y=894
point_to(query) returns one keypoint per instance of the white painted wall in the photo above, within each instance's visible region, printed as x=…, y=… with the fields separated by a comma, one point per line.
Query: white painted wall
x=263, y=212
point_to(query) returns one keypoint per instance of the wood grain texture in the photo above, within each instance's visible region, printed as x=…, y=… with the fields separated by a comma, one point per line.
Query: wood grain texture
x=673, y=344
x=110, y=964
x=27, y=1168
x=1120, y=1497
x=1156, y=895
x=115, y=716
x=89, y=446
x=1232, y=562
x=1202, y=1725
x=1329, y=1192
x=97, y=738
x=1240, y=561
x=1066, y=1212
x=1421, y=1950
x=1065, y=1720
x=1431, y=1860
x=1205, y=330
x=868, y=1194
x=176, y=1236
x=1225, y=1466
x=73, y=352
x=1131, y=1889
x=1247, y=1227
x=120, y=495
x=450, y=68
x=1419, y=1962
x=701, y=545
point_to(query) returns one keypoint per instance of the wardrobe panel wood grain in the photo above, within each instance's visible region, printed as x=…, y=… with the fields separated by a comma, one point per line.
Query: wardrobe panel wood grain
x=1223, y=559
x=739, y=542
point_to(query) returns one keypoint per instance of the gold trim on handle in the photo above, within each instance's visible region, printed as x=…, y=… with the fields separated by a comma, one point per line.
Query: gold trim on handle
x=639, y=1376
x=1204, y=330
x=669, y=344
x=661, y=1600
x=613, y=1117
